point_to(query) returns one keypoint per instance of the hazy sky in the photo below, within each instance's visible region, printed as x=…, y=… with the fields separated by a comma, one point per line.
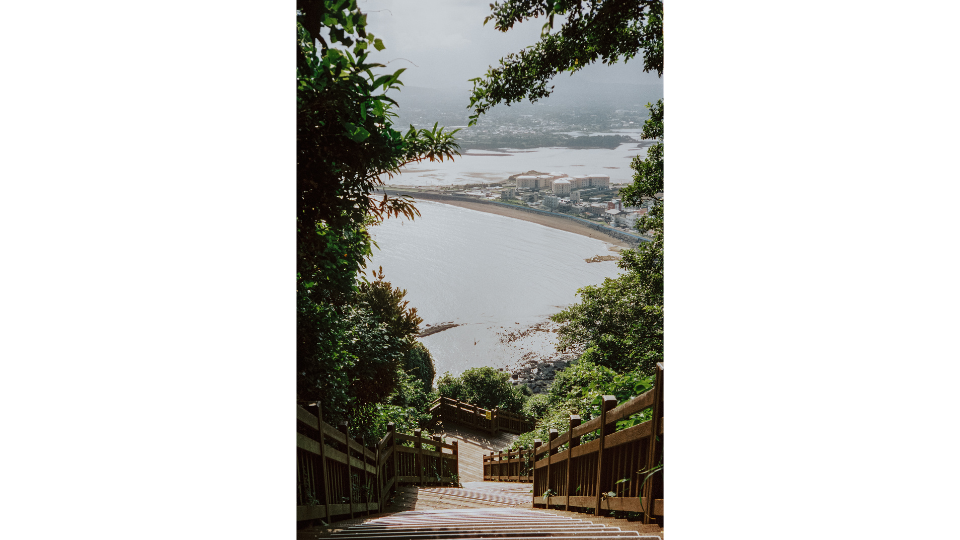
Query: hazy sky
x=449, y=44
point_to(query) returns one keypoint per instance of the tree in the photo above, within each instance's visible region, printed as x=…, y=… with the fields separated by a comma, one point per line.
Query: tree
x=605, y=30
x=622, y=320
x=484, y=387
x=346, y=143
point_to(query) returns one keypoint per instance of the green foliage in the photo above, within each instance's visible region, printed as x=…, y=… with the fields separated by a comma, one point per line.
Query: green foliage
x=578, y=390
x=556, y=417
x=536, y=406
x=389, y=306
x=484, y=387
x=406, y=407
x=353, y=339
x=574, y=383
x=418, y=362
x=604, y=30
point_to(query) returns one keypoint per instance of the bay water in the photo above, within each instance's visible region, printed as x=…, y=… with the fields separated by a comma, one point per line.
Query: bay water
x=489, y=274
x=488, y=166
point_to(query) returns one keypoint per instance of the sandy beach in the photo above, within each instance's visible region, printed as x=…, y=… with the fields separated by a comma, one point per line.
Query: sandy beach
x=540, y=219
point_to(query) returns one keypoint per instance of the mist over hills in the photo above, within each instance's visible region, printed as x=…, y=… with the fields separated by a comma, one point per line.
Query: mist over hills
x=449, y=106
x=566, y=118
x=573, y=109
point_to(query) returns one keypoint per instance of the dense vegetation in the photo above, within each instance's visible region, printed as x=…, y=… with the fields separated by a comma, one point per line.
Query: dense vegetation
x=484, y=387
x=356, y=354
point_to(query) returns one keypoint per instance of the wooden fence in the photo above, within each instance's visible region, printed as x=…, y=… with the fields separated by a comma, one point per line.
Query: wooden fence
x=612, y=472
x=338, y=477
x=451, y=410
x=514, y=466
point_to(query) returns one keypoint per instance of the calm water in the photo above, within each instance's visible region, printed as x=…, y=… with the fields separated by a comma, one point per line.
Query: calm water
x=493, y=166
x=486, y=272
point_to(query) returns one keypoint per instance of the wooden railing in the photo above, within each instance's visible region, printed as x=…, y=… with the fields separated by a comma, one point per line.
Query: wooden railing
x=514, y=466
x=451, y=410
x=339, y=477
x=612, y=472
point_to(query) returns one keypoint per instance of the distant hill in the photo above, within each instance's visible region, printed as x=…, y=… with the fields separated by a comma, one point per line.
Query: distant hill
x=424, y=106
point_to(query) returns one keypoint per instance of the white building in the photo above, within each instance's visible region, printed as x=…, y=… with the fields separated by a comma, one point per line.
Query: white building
x=546, y=181
x=561, y=186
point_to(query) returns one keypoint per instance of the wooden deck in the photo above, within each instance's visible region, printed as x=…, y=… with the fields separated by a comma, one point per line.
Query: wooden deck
x=473, y=445
x=475, y=495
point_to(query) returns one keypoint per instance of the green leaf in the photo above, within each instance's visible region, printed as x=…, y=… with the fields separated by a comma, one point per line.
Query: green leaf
x=378, y=44
x=356, y=133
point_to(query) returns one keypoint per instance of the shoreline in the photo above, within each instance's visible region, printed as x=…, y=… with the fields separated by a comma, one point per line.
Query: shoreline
x=554, y=222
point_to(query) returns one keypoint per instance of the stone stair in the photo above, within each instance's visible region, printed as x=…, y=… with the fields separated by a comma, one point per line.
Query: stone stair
x=468, y=524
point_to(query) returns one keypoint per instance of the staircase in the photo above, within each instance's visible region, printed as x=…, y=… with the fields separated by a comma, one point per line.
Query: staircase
x=503, y=524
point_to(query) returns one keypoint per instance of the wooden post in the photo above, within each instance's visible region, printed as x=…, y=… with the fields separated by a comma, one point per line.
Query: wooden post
x=419, y=446
x=439, y=460
x=346, y=441
x=550, y=451
x=476, y=416
x=652, y=446
x=609, y=402
x=392, y=431
x=323, y=465
x=494, y=422
x=456, y=460
x=378, y=477
x=574, y=422
x=362, y=477
x=500, y=466
x=533, y=466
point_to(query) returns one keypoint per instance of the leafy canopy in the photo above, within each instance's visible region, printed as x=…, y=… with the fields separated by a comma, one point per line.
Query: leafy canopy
x=353, y=338
x=484, y=387
x=604, y=30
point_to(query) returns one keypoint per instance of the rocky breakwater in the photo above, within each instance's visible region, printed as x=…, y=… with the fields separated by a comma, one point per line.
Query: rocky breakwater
x=539, y=362
x=538, y=373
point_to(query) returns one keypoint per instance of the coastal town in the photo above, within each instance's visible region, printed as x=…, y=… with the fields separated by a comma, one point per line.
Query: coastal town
x=590, y=197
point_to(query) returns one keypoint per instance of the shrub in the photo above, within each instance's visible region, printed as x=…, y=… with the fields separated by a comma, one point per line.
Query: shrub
x=536, y=406
x=418, y=362
x=484, y=387
x=578, y=390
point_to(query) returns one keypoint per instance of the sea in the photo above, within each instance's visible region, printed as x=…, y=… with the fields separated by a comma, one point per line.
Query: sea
x=492, y=166
x=489, y=274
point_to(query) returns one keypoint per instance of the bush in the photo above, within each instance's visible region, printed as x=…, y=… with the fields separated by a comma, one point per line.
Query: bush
x=578, y=390
x=418, y=362
x=574, y=382
x=484, y=387
x=406, y=407
x=536, y=406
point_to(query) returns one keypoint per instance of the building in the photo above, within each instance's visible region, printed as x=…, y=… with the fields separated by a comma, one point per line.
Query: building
x=575, y=196
x=508, y=193
x=561, y=186
x=547, y=181
x=596, y=209
x=551, y=201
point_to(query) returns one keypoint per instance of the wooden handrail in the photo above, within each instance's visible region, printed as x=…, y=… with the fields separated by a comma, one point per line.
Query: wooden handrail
x=330, y=464
x=493, y=421
x=582, y=476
